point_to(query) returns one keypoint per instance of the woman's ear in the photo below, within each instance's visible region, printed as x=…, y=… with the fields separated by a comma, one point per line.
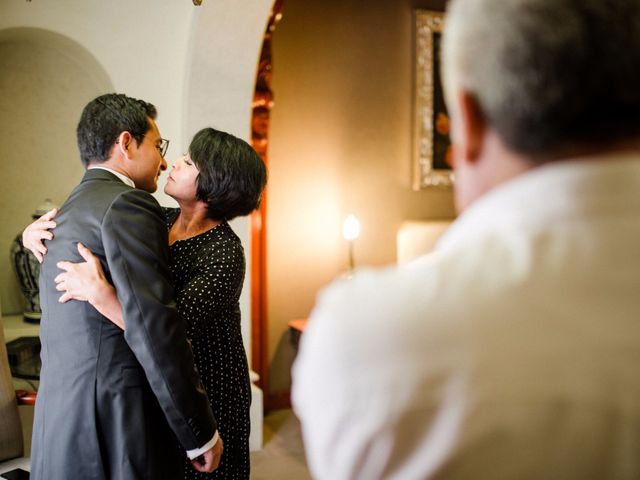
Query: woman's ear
x=471, y=126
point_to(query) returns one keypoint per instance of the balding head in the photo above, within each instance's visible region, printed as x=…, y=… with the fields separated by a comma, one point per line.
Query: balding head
x=548, y=75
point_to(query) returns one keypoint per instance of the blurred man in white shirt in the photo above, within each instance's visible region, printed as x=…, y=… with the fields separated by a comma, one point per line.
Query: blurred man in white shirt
x=513, y=350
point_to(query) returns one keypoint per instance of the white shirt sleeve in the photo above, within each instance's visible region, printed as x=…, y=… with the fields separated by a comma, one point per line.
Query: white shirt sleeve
x=377, y=394
x=207, y=446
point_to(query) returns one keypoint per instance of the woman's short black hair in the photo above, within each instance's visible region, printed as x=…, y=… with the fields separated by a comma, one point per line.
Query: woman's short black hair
x=104, y=118
x=232, y=175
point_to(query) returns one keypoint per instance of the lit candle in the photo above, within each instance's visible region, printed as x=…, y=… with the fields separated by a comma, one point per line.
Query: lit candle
x=351, y=231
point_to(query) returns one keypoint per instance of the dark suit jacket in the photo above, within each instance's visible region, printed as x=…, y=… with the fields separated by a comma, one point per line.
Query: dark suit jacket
x=109, y=400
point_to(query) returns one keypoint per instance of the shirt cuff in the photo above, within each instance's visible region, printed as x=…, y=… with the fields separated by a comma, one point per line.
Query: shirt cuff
x=207, y=446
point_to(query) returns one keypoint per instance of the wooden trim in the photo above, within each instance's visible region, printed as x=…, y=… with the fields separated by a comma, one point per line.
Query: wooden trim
x=25, y=398
x=259, y=327
x=278, y=401
x=262, y=104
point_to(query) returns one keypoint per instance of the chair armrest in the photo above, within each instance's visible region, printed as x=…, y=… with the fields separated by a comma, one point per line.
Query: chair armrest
x=25, y=398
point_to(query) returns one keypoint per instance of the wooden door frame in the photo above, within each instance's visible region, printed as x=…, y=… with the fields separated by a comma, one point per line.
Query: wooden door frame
x=262, y=104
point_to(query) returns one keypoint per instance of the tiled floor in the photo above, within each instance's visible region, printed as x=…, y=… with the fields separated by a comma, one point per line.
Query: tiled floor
x=282, y=457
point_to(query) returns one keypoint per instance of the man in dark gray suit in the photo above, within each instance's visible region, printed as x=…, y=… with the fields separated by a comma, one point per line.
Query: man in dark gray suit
x=109, y=400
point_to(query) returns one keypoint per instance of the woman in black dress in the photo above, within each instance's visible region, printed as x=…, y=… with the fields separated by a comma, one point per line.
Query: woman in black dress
x=220, y=178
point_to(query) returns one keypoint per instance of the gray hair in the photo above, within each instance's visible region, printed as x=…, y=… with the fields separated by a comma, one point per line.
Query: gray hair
x=548, y=74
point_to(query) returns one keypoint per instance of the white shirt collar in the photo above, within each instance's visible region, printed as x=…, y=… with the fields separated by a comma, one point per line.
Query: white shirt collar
x=553, y=190
x=122, y=177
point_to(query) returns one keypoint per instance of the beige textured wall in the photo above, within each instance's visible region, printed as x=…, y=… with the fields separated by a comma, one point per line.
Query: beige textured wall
x=38, y=117
x=340, y=143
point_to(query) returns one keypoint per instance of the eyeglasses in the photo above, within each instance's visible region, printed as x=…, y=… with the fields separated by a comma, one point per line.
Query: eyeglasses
x=164, y=145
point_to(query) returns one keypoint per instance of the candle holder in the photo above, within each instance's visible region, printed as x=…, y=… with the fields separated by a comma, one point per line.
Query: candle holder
x=351, y=231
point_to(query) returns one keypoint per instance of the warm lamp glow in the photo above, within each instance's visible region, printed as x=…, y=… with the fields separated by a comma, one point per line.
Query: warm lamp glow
x=351, y=228
x=350, y=231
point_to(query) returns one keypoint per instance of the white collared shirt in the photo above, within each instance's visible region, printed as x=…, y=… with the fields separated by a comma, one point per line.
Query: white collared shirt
x=121, y=176
x=512, y=351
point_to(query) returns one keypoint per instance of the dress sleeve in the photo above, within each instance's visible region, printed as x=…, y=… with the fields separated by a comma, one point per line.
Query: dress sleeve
x=216, y=285
x=136, y=248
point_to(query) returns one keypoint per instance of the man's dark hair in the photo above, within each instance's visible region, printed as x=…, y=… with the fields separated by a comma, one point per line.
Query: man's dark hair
x=232, y=175
x=104, y=118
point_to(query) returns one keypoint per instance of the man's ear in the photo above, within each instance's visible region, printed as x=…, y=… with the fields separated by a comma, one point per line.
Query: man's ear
x=123, y=143
x=472, y=127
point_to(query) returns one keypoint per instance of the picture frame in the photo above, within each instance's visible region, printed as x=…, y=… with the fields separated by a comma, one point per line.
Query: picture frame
x=431, y=149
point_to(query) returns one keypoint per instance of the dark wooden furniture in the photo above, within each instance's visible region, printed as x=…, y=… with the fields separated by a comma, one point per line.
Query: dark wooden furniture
x=296, y=328
x=24, y=357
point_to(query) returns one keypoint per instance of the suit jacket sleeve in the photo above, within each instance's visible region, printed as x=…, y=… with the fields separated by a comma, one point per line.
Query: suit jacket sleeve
x=135, y=240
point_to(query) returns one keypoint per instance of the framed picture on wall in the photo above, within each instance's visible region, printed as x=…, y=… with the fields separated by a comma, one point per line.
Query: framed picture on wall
x=431, y=142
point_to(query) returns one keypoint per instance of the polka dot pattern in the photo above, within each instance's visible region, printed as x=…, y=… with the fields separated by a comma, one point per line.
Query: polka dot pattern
x=208, y=272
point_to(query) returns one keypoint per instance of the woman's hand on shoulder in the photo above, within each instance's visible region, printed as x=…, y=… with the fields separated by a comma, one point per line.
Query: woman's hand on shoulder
x=34, y=235
x=84, y=281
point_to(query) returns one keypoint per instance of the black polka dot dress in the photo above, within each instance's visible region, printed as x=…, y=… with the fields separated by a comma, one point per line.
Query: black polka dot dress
x=208, y=272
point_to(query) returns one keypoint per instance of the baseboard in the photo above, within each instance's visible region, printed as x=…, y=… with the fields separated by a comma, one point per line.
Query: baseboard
x=278, y=401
